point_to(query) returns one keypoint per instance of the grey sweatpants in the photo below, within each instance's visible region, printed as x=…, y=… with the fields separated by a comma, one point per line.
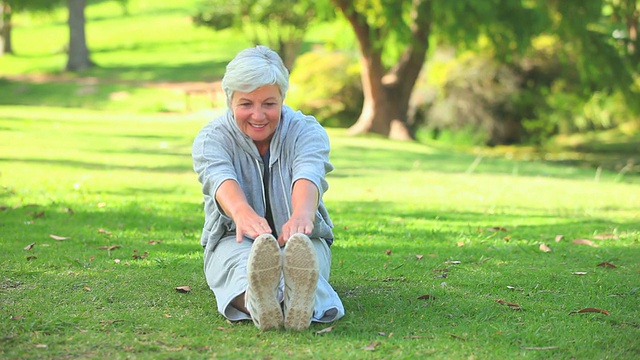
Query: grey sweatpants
x=225, y=269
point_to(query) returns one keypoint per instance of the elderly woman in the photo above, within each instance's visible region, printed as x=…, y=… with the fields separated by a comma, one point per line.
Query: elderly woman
x=267, y=233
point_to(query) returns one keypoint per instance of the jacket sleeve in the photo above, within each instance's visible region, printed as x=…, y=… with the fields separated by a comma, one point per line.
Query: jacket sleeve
x=212, y=162
x=311, y=155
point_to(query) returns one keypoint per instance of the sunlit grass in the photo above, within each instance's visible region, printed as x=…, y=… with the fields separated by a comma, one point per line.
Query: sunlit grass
x=410, y=221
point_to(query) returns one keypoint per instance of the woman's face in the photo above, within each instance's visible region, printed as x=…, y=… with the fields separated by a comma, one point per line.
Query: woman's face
x=257, y=114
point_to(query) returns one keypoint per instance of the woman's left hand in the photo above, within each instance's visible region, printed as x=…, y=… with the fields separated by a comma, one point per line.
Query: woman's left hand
x=295, y=225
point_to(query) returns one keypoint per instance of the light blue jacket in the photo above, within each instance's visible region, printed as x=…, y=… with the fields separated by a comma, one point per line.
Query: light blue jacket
x=299, y=150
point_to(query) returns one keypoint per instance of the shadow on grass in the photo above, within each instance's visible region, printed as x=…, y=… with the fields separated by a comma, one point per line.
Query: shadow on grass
x=105, y=166
x=349, y=160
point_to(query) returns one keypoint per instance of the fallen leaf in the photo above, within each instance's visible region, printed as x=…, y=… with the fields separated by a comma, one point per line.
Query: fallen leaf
x=325, y=330
x=102, y=204
x=583, y=242
x=559, y=238
x=29, y=247
x=372, y=346
x=117, y=261
x=224, y=329
x=590, y=310
x=110, y=247
x=460, y=243
x=453, y=262
x=17, y=317
x=388, y=252
x=579, y=273
x=32, y=257
x=41, y=346
x=512, y=306
x=136, y=255
x=606, y=236
x=166, y=315
x=545, y=248
x=70, y=211
x=419, y=257
x=59, y=238
x=496, y=228
x=183, y=289
x=607, y=265
x=506, y=238
x=86, y=288
x=103, y=231
x=37, y=215
x=426, y=297
x=155, y=242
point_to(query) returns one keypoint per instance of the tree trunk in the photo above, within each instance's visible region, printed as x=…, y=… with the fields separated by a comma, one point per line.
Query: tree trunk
x=78, y=58
x=5, y=29
x=387, y=93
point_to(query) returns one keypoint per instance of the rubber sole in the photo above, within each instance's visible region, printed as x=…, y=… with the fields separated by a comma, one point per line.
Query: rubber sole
x=300, y=268
x=264, y=268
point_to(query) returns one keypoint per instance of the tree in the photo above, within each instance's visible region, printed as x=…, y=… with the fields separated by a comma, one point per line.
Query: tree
x=78, y=58
x=10, y=7
x=387, y=90
x=281, y=25
x=625, y=20
x=5, y=29
x=394, y=36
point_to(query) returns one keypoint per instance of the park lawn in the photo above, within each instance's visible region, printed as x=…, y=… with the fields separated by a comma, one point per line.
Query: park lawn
x=431, y=248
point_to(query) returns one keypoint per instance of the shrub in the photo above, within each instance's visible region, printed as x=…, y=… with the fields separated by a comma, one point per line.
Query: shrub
x=327, y=84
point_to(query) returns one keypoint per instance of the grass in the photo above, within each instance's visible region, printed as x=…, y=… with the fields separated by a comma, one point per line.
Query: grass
x=102, y=159
x=405, y=215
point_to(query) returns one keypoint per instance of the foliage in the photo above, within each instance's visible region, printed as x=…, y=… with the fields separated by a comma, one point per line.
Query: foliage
x=479, y=93
x=280, y=25
x=327, y=85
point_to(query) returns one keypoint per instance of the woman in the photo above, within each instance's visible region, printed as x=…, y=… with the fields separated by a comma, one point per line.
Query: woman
x=267, y=233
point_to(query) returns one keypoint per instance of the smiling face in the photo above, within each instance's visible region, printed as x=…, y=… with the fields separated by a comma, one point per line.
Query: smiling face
x=257, y=114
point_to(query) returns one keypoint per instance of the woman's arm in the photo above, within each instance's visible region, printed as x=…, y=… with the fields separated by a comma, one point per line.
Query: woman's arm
x=234, y=203
x=304, y=199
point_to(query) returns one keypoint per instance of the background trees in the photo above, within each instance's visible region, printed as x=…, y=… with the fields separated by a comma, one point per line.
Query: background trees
x=78, y=51
x=504, y=71
x=78, y=58
x=279, y=24
x=579, y=37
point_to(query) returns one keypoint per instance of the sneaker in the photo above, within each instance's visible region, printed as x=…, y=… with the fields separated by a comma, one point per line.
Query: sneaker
x=264, y=269
x=300, y=268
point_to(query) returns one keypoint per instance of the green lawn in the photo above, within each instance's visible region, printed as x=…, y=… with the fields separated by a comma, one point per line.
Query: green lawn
x=410, y=221
x=432, y=244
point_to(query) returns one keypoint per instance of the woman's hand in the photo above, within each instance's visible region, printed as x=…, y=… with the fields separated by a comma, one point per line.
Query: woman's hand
x=304, y=200
x=295, y=225
x=232, y=200
x=249, y=223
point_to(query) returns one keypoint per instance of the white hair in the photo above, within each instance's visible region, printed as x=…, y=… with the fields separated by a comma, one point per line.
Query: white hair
x=253, y=68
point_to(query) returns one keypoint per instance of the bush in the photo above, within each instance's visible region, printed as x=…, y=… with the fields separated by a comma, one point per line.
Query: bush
x=327, y=84
x=478, y=96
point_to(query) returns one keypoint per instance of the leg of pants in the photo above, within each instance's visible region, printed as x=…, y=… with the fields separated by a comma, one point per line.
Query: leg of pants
x=225, y=269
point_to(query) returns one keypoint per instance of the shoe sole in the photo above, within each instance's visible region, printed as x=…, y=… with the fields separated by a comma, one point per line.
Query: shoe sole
x=300, y=268
x=264, y=267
